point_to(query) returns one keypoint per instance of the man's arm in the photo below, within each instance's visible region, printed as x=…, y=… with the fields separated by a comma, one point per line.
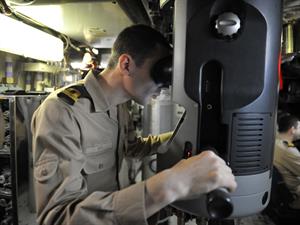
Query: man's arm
x=139, y=147
x=187, y=179
x=292, y=157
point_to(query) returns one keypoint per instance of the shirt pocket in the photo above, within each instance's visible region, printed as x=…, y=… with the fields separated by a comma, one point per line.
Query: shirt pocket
x=99, y=158
x=46, y=167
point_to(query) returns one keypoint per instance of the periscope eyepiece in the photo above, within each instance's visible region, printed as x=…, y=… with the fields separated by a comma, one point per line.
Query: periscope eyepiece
x=162, y=71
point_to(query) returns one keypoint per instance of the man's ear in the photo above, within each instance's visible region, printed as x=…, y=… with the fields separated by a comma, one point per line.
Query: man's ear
x=126, y=64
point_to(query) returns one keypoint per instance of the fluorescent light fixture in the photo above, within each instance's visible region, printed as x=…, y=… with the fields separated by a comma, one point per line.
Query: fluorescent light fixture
x=21, y=39
x=68, y=78
x=77, y=65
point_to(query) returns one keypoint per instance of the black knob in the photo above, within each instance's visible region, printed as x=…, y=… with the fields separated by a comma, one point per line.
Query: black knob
x=219, y=204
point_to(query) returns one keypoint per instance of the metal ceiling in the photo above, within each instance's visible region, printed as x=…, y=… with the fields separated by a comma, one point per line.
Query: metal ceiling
x=97, y=22
x=92, y=22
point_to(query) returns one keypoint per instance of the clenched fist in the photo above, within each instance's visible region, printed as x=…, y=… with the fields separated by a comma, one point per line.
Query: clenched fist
x=188, y=179
x=201, y=174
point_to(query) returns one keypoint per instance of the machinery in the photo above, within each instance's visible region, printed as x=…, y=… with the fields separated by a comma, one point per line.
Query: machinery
x=225, y=75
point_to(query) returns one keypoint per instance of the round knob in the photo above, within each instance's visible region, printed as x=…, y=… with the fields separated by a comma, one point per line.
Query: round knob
x=227, y=24
x=219, y=204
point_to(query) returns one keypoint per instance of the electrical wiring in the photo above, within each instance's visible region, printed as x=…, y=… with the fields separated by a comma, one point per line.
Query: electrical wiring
x=66, y=42
x=32, y=22
x=69, y=43
x=23, y=18
x=5, y=8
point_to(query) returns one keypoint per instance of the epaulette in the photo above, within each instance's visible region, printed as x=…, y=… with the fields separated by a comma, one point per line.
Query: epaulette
x=288, y=144
x=72, y=93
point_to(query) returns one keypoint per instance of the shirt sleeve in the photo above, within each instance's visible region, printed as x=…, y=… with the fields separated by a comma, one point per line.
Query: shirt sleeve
x=60, y=188
x=293, y=161
x=143, y=146
x=139, y=147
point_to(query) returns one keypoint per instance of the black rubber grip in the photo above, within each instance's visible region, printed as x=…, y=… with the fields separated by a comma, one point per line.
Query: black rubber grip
x=219, y=204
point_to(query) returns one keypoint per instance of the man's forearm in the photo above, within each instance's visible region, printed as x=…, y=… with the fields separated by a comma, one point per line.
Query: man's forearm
x=159, y=192
x=187, y=179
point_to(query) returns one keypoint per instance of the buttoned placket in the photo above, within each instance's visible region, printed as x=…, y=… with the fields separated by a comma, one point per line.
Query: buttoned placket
x=113, y=114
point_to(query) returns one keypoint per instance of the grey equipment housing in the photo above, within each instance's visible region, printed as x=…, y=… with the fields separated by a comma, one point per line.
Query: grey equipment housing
x=225, y=74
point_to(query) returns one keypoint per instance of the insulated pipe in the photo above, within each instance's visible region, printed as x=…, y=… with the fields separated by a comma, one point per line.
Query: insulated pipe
x=288, y=39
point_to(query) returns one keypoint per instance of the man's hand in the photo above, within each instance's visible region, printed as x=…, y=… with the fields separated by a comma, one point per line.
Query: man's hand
x=201, y=174
x=187, y=179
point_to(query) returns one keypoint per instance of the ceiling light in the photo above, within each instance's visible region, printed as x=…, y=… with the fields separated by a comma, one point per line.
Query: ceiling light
x=21, y=39
x=77, y=65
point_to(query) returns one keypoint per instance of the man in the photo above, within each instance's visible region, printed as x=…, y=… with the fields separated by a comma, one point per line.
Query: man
x=81, y=134
x=287, y=156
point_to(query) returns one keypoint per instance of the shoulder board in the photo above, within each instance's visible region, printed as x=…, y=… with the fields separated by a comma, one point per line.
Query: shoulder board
x=72, y=93
x=288, y=144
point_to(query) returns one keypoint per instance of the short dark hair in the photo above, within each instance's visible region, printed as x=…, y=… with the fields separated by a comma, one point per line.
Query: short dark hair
x=286, y=122
x=139, y=41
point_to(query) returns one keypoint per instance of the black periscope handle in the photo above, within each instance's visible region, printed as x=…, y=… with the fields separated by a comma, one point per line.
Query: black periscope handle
x=219, y=204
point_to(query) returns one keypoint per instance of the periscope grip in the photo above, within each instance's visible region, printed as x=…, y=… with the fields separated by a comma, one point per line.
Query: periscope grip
x=219, y=204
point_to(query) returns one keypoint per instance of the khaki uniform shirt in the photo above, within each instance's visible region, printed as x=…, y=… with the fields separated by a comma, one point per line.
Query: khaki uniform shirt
x=76, y=163
x=287, y=161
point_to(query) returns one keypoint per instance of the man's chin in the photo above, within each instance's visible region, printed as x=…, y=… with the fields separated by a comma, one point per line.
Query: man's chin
x=143, y=101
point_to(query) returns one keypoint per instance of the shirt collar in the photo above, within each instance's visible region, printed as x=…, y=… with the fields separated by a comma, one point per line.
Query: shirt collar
x=285, y=142
x=92, y=84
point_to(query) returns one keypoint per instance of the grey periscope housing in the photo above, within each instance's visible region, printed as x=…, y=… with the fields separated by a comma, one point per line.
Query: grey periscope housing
x=227, y=80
